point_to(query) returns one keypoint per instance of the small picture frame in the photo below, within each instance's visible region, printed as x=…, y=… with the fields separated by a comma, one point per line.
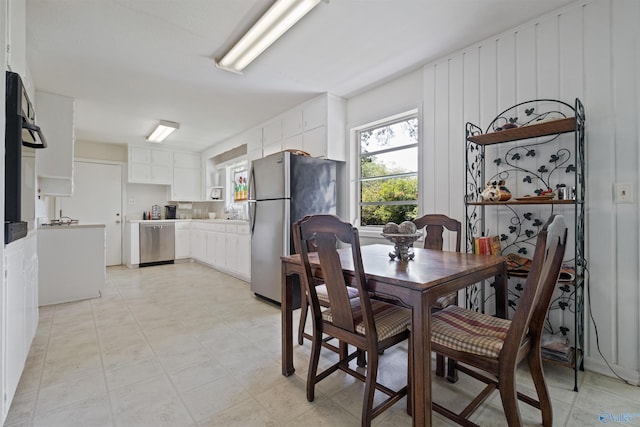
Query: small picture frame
x=240, y=185
x=216, y=193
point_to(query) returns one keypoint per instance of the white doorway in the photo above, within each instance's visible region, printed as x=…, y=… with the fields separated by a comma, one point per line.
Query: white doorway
x=97, y=199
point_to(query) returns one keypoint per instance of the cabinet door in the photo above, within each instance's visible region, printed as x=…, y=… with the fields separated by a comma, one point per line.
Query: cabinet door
x=15, y=339
x=293, y=143
x=183, y=241
x=292, y=123
x=139, y=172
x=231, y=255
x=186, y=184
x=139, y=155
x=314, y=142
x=272, y=132
x=314, y=113
x=243, y=255
x=161, y=174
x=211, y=247
x=162, y=157
x=221, y=249
x=272, y=148
x=198, y=245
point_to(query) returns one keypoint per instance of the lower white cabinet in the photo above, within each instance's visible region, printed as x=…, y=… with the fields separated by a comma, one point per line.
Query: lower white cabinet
x=183, y=240
x=223, y=246
x=20, y=311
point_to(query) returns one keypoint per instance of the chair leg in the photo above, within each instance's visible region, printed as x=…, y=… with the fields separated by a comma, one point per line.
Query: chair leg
x=537, y=374
x=316, y=345
x=509, y=396
x=362, y=358
x=369, y=388
x=303, y=316
x=439, y=365
x=452, y=370
x=409, y=383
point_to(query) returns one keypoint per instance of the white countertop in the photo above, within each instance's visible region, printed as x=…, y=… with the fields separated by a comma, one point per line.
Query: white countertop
x=210, y=221
x=69, y=226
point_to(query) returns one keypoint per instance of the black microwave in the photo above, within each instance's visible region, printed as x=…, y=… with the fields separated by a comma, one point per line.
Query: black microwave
x=20, y=130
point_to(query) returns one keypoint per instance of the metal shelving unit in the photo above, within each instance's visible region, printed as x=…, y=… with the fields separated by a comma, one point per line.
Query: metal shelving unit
x=529, y=146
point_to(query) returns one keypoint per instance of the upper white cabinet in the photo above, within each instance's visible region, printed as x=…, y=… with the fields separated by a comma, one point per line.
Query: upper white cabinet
x=150, y=165
x=54, y=164
x=186, y=177
x=272, y=137
x=317, y=127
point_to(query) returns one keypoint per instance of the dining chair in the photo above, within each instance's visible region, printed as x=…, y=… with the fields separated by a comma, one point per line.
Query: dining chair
x=434, y=226
x=323, y=300
x=366, y=324
x=496, y=346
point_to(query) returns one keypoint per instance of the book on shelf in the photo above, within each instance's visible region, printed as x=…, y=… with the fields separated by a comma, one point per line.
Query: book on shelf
x=487, y=245
x=556, y=347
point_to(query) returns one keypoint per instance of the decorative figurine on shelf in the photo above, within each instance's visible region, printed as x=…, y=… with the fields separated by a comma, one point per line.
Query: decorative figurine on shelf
x=495, y=191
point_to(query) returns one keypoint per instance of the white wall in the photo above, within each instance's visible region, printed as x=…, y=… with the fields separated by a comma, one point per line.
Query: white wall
x=589, y=50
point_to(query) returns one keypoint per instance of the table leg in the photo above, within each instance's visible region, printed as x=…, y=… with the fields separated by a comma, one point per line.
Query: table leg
x=287, y=323
x=421, y=360
x=502, y=293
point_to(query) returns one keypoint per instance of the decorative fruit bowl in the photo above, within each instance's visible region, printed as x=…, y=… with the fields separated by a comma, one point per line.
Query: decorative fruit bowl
x=403, y=245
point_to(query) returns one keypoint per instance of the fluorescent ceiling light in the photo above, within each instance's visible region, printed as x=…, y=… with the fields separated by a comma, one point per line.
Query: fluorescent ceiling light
x=281, y=16
x=163, y=130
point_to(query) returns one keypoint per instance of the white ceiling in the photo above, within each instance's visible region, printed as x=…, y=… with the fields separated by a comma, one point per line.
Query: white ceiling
x=130, y=63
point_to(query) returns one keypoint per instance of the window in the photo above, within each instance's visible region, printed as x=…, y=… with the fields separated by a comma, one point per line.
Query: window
x=388, y=178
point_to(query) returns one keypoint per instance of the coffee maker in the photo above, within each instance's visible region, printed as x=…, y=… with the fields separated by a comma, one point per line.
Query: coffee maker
x=170, y=211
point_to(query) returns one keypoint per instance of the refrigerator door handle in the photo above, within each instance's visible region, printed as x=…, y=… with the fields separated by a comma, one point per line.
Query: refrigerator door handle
x=252, y=184
x=252, y=215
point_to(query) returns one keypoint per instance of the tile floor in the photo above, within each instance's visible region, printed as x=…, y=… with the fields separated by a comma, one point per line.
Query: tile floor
x=185, y=345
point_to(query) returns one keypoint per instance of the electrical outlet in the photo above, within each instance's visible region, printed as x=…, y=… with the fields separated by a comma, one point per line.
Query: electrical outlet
x=624, y=192
x=132, y=201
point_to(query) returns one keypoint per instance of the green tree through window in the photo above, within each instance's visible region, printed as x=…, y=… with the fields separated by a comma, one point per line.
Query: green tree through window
x=389, y=172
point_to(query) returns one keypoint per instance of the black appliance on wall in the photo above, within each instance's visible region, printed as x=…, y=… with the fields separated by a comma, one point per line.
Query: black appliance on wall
x=20, y=130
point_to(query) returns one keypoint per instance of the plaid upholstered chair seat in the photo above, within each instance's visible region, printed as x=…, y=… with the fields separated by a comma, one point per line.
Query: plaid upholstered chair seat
x=389, y=319
x=469, y=331
x=323, y=295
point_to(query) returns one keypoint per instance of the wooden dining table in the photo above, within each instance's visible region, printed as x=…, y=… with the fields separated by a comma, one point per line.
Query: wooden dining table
x=417, y=284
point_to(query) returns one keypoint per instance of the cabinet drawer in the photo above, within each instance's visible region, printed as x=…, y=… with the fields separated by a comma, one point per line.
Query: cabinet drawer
x=243, y=229
x=231, y=228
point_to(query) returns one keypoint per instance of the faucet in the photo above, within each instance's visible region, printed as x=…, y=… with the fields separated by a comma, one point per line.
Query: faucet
x=232, y=210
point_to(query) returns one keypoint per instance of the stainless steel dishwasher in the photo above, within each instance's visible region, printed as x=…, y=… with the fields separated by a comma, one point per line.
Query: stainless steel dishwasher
x=157, y=243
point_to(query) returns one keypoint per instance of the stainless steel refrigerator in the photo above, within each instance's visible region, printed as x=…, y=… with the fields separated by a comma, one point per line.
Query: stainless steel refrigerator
x=283, y=188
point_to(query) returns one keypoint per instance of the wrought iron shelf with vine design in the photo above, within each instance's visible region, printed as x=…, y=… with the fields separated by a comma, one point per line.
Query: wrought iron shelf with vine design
x=535, y=160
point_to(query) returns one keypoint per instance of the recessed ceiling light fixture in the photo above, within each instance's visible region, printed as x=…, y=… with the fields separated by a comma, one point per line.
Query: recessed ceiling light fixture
x=281, y=16
x=162, y=130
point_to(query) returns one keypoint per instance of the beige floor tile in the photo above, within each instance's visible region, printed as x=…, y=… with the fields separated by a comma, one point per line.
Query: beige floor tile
x=180, y=345
x=152, y=403
x=91, y=412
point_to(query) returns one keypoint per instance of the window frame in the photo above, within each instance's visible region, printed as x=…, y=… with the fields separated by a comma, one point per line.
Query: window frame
x=357, y=170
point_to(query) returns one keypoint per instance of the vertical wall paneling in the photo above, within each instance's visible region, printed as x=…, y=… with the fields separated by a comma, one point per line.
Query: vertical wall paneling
x=601, y=237
x=588, y=50
x=625, y=15
x=441, y=131
x=455, y=143
x=428, y=140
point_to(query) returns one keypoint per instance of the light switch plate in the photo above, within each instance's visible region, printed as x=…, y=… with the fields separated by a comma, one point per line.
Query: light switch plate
x=623, y=192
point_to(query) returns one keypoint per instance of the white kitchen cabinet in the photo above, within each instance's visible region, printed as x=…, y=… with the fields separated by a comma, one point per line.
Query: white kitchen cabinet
x=314, y=112
x=19, y=310
x=272, y=133
x=183, y=240
x=199, y=244
x=186, y=177
x=54, y=165
x=132, y=244
x=223, y=246
x=276, y=147
x=292, y=123
x=150, y=165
